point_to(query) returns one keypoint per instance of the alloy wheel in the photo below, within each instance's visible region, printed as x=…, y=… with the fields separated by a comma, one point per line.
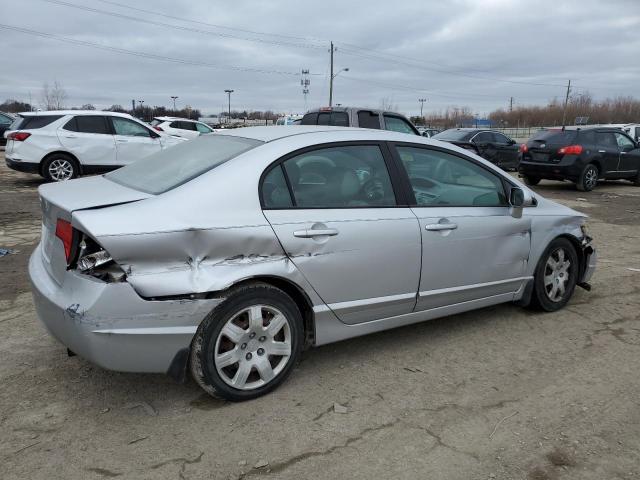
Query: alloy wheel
x=556, y=274
x=253, y=347
x=60, y=169
x=591, y=178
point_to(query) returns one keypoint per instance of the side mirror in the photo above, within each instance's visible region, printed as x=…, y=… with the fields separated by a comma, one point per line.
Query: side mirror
x=512, y=142
x=516, y=197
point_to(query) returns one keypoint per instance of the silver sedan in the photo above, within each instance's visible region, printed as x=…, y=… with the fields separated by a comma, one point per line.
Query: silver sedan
x=226, y=256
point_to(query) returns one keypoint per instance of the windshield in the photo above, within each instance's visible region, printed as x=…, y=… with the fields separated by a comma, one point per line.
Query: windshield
x=452, y=134
x=177, y=165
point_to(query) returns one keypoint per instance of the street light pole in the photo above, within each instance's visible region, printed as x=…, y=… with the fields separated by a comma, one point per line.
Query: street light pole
x=141, y=102
x=174, y=102
x=421, y=100
x=331, y=84
x=229, y=92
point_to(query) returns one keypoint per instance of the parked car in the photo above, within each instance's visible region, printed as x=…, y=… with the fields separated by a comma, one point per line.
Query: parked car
x=359, y=117
x=261, y=241
x=631, y=129
x=60, y=145
x=492, y=145
x=181, y=127
x=582, y=156
x=6, y=119
x=289, y=120
x=430, y=132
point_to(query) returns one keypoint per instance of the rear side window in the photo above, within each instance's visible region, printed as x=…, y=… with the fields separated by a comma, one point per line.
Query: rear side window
x=367, y=119
x=397, y=124
x=606, y=139
x=555, y=137
x=88, y=124
x=170, y=168
x=587, y=137
x=32, y=122
x=275, y=193
x=483, y=137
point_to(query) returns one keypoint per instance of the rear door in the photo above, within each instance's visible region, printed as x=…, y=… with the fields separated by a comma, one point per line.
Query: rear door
x=472, y=247
x=133, y=140
x=90, y=139
x=485, y=143
x=608, y=153
x=507, y=150
x=335, y=212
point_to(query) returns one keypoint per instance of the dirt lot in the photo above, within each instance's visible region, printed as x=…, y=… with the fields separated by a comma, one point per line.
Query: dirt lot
x=501, y=393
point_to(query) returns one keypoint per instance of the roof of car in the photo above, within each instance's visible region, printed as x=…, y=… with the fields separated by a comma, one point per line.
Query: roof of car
x=175, y=118
x=75, y=112
x=344, y=109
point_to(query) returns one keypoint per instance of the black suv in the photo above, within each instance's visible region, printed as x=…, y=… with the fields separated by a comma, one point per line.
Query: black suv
x=359, y=117
x=494, y=146
x=583, y=156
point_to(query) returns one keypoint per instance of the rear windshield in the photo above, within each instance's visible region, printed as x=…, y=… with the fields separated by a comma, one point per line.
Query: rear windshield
x=453, y=135
x=563, y=137
x=177, y=165
x=31, y=122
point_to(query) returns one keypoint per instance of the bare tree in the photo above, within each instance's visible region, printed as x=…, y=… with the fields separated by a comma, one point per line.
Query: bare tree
x=53, y=98
x=386, y=103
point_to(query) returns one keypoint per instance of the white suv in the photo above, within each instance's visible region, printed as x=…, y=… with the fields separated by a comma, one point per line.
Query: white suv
x=181, y=127
x=60, y=145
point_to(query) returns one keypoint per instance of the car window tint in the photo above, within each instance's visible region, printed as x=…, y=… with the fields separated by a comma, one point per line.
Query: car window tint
x=367, y=119
x=310, y=119
x=275, y=193
x=606, y=139
x=624, y=142
x=587, y=137
x=339, y=119
x=440, y=178
x=397, y=124
x=32, y=122
x=324, y=118
x=501, y=139
x=123, y=126
x=202, y=128
x=88, y=124
x=483, y=137
x=338, y=177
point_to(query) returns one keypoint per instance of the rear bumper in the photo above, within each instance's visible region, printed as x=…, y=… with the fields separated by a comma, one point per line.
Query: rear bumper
x=552, y=171
x=109, y=325
x=27, y=167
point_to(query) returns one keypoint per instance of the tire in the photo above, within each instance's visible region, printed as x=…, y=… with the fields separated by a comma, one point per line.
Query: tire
x=531, y=181
x=588, y=179
x=60, y=167
x=554, y=280
x=636, y=180
x=243, y=368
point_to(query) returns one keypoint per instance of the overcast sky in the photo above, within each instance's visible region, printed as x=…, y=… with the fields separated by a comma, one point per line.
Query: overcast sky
x=452, y=52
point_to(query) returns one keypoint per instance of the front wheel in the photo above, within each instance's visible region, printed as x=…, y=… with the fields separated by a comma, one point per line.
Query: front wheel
x=556, y=275
x=588, y=178
x=249, y=344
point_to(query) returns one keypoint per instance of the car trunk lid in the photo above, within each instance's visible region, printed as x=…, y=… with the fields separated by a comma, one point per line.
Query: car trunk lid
x=58, y=202
x=544, y=146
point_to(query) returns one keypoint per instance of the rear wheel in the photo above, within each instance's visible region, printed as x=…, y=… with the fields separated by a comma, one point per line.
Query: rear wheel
x=556, y=276
x=249, y=344
x=636, y=180
x=588, y=178
x=530, y=180
x=60, y=167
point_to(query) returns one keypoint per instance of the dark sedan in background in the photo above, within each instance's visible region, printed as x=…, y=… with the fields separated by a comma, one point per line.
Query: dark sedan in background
x=6, y=119
x=494, y=146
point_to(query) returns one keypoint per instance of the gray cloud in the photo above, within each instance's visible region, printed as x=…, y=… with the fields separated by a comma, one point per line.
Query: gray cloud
x=451, y=52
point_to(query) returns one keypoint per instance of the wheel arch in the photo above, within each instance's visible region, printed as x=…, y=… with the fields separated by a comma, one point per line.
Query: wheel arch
x=59, y=152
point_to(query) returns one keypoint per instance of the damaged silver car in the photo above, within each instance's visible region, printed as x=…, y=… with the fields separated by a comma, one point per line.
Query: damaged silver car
x=227, y=255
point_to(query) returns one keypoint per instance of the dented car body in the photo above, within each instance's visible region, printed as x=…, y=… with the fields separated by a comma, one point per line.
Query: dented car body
x=129, y=265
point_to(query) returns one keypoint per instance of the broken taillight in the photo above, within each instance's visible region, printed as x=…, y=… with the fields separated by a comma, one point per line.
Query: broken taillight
x=570, y=150
x=18, y=136
x=64, y=231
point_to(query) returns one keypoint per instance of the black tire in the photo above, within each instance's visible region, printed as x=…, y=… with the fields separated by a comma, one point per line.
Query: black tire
x=636, y=180
x=205, y=342
x=531, y=181
x=542, y=297
x=588, y=179
x=68, y=167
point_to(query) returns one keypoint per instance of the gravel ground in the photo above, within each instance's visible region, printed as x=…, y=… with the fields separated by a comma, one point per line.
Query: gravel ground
x=500, y=393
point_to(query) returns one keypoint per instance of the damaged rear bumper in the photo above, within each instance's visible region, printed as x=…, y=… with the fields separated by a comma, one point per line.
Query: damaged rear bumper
x=111, y=326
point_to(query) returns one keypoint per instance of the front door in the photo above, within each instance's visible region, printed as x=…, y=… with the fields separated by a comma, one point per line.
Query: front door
x=609, y=153
x=133, y=140
x=472, y=247
x=337, y=217
x=629, y=155
x=507, y=151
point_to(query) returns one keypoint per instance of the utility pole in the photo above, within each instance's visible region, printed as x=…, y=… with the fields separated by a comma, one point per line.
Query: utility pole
x=141, y=102
x=133, y=107
x=229, y=92
x=174, y=102
x=511, y=104
x=331, y=78
x=305, y=82
x=566, y=101
x=422, y=100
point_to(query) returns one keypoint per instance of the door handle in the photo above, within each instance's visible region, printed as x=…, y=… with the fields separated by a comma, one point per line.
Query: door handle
x=120, y=140
x=70, y=136
x=602, y=151
x=623, y=153
x=437, y=227
x=310, y=233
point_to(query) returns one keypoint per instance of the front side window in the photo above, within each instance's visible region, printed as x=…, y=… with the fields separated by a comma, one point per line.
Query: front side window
x=88, y=124
x=338, y=177
x=202, y=128
x=397, y=124
x=501, y=139
x=624, y=142
x=483, y=137
x=442, y=179
x=124, y=126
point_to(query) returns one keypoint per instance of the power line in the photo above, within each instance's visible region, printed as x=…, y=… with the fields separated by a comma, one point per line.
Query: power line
x=179, y=27
x=151, y=56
